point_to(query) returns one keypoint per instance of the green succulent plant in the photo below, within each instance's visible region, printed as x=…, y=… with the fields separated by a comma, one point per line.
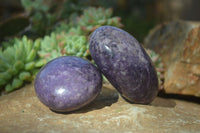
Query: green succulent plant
x=158, y=64
x=62, y=44
x=91, y=19
x=17, y=63
x=68, y=29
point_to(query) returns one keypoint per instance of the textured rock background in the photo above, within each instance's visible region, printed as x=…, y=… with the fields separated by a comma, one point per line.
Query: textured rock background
x=178, y=43
x=22, y=112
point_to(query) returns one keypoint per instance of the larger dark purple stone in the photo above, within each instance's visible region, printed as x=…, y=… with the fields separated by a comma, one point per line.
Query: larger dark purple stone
x=68, y=83
x=125, y=64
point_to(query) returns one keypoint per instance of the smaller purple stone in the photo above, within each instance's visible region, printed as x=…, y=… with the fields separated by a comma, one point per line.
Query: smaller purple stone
x=68, y=83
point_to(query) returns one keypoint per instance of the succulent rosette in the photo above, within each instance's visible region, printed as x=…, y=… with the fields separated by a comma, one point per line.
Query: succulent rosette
x=62, y=44
x=17, y=63
x=93, y=18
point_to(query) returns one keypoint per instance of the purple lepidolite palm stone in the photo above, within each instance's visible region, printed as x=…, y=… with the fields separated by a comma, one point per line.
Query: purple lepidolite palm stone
x=68, y=83
x=124, y=63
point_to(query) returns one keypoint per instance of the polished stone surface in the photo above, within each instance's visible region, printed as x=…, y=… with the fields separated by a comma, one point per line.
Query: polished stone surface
x=124, y=63
x=68, y=83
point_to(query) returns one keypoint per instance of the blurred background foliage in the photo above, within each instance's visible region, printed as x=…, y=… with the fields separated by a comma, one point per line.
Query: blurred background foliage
x=138, y=16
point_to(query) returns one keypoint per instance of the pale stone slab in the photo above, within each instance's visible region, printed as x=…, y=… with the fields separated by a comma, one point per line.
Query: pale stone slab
x=22, y=112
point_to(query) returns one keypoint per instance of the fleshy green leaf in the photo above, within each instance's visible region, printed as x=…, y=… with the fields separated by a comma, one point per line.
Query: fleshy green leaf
x=18, y=65
x=5, y=75
x=8, y=88
x=25, y=76
x=29, y=66
x=17, y=83
x=31, y=55
x=40, y=63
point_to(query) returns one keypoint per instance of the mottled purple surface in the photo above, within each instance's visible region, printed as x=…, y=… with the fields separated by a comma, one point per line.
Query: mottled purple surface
x=124, y=63
x=68, y=83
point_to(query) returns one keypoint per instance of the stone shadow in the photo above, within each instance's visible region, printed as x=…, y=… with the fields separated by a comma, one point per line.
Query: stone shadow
x=163, y=102
x=188, y=98
x=107, y=97
x=158, y=102
x=167, y=100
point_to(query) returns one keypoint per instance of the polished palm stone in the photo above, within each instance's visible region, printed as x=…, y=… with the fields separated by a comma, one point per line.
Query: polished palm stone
x=68, y=83
x=124, y=63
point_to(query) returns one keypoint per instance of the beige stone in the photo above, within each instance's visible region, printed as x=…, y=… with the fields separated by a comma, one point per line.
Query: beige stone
x=178, y=44
x=22, y=112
